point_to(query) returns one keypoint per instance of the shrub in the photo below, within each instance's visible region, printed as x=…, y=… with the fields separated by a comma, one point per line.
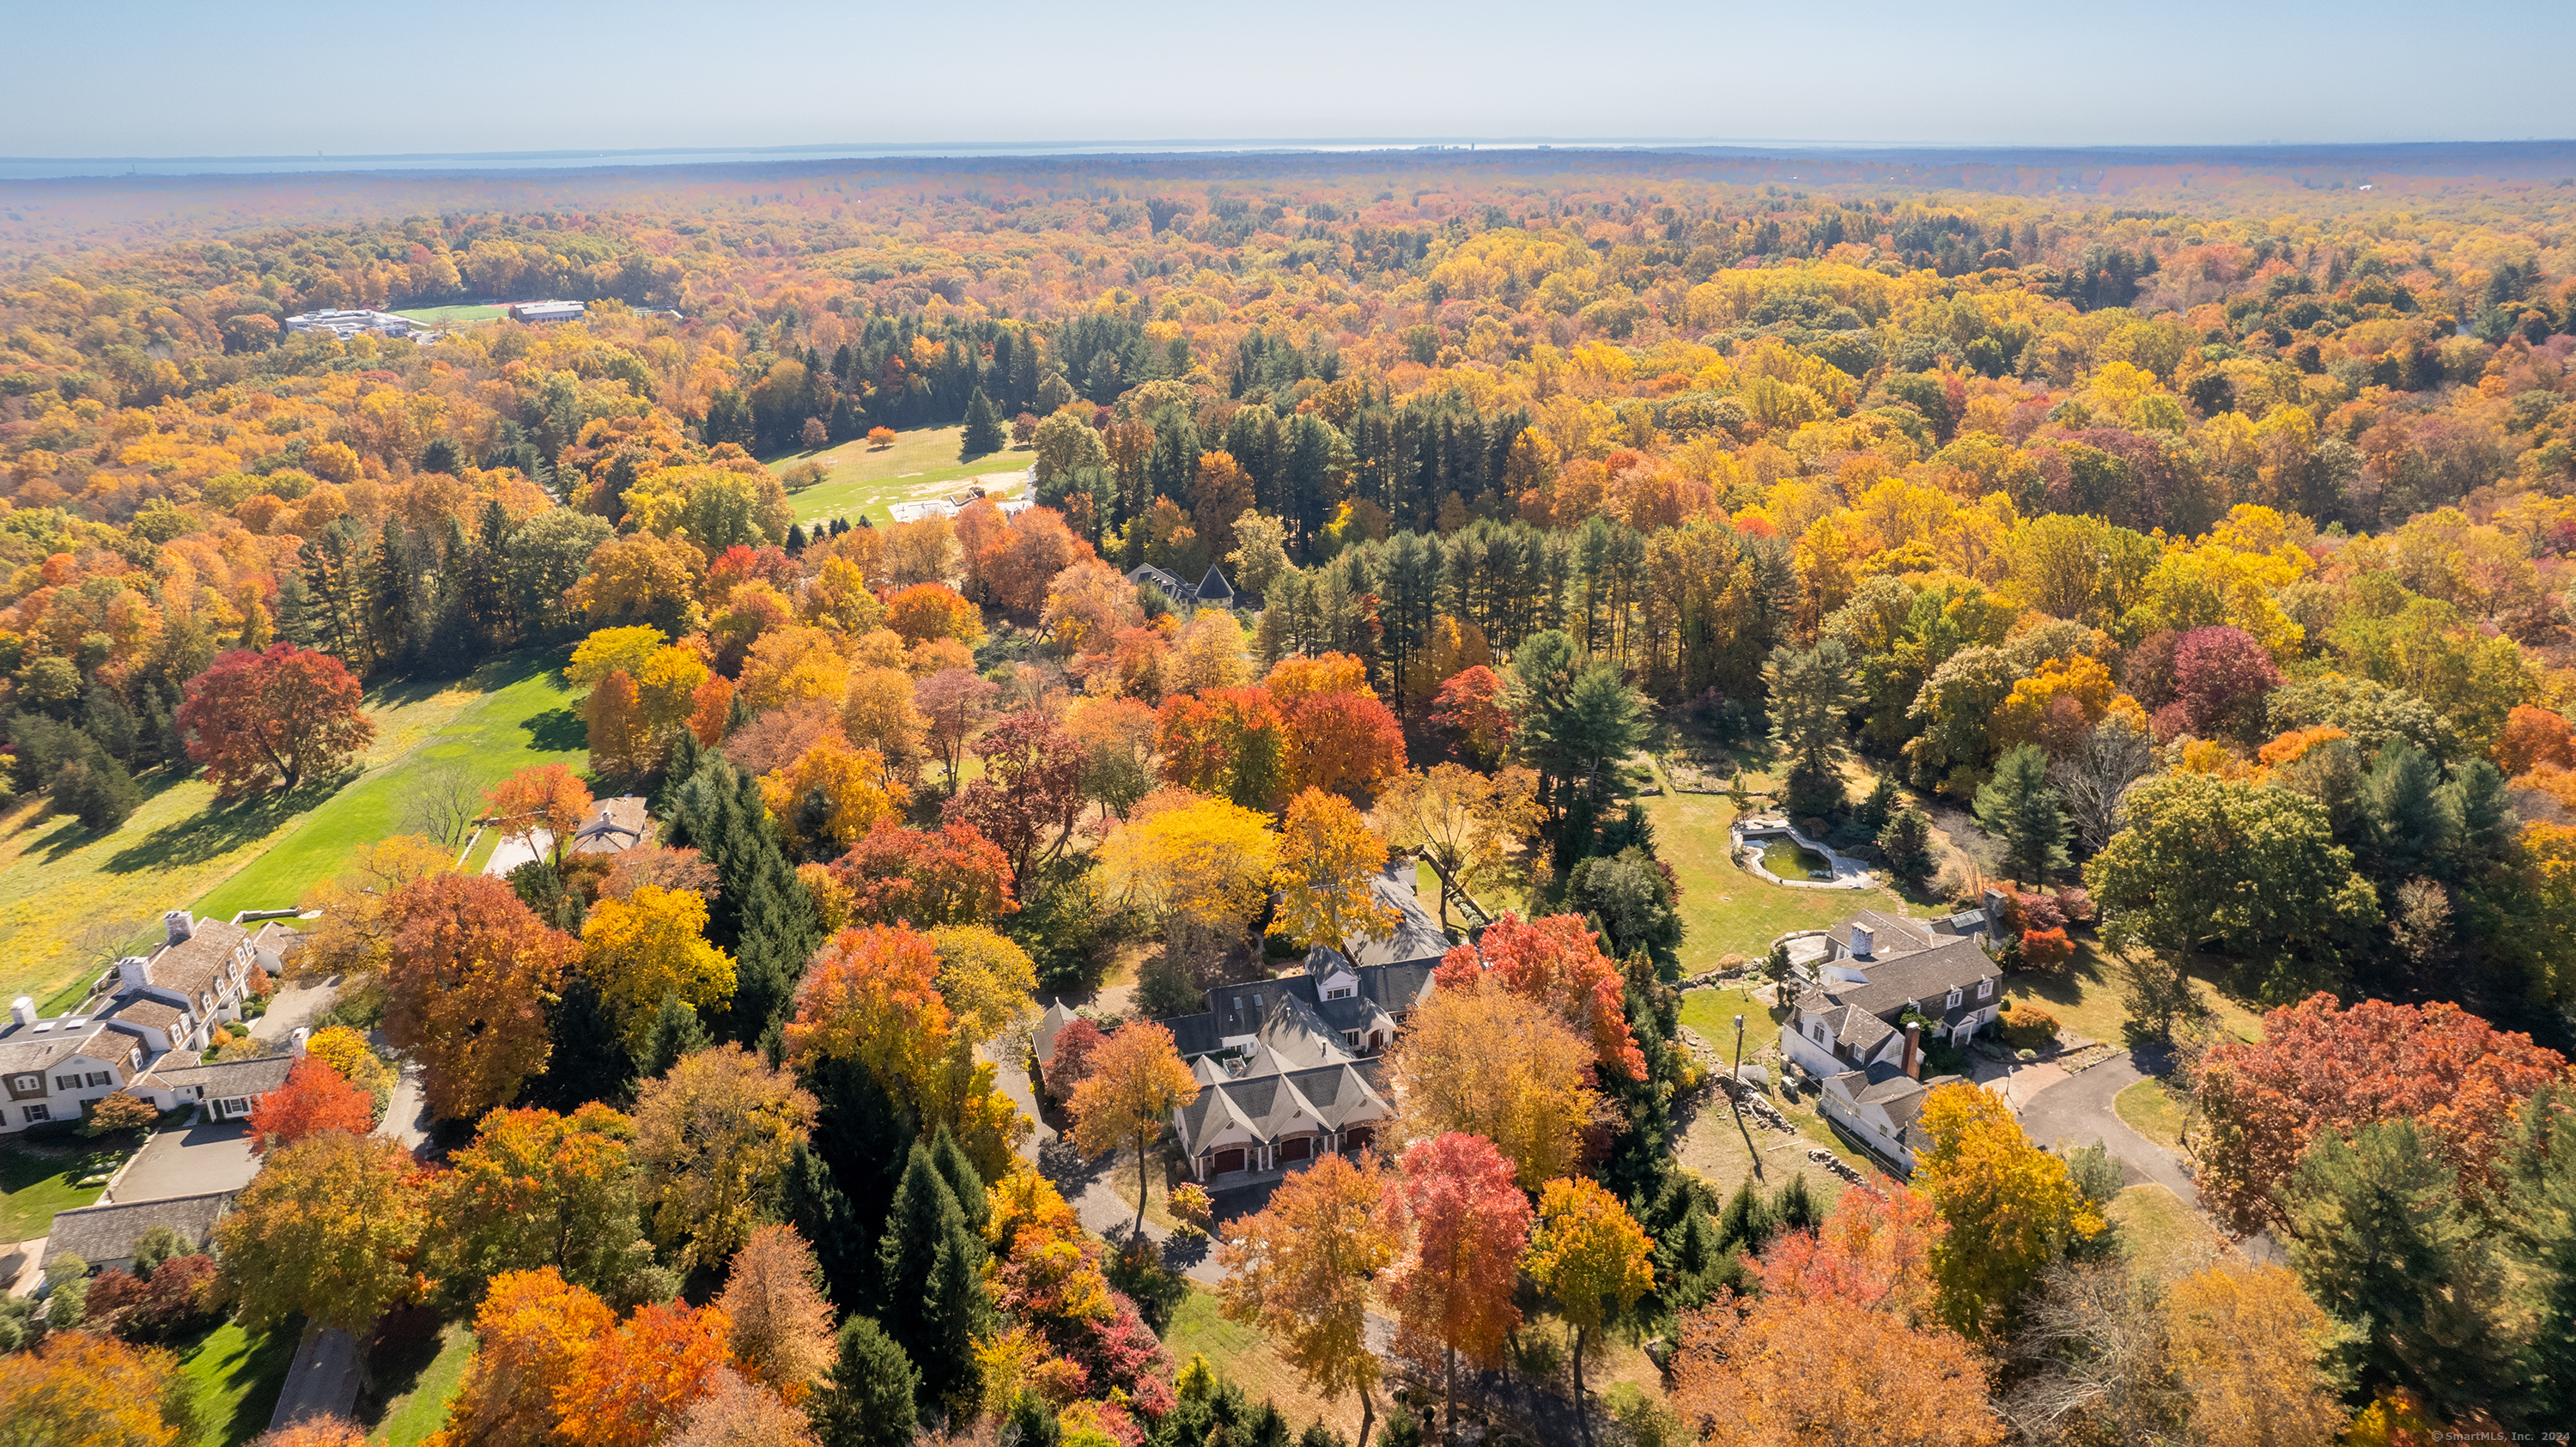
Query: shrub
x=2046, y=950
x=1193, y=1207
x=2029, y=1027
x=122, y=1111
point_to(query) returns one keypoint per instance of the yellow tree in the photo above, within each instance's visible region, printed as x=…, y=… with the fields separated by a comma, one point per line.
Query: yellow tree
x=879, y=714
x=354, y=935
x=1491, y=1063
x=1465, y=824
x=782, y=1326
x=1198, y=866
x=1328, y=867
x=1137, y=1080
x=711, y=1136
x=546, y=798
x=651, y=944
x=831, y=796
x=1300, y=1270
x=2010, y=1207
x=612, y=650
x=786, y=664
x=840, y=601
x=2246, y=1346
x=1593, y=1257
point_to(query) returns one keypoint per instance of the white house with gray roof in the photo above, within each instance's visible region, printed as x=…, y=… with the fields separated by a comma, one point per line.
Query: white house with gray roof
x=1858, y=1025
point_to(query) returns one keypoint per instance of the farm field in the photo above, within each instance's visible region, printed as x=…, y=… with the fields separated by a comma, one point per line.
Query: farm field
x=439, y=316
x=860, y=481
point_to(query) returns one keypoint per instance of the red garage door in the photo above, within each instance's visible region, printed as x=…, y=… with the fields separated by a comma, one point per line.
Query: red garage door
x=1226, y=1161
x=1298, y=1149
x=1358, y=1138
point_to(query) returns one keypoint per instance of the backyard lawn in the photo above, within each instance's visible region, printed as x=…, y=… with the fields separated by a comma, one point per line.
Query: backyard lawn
x=1728, y=911
x=513, y=712
x=1712, y=1013
x=2153, y=1111
x=2086, y=999
x=38, y=1178
x=861, y=481
x=1243, y=1356
x=237, y=1375
x=418, y=1378
x=2160, y=1234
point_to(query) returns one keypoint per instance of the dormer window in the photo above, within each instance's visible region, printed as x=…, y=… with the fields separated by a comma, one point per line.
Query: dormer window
x=1985, y=989
x=1954, y=1000
x=1819, y=1032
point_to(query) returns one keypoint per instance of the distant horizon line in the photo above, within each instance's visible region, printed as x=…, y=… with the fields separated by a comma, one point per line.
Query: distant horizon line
x=567, y=157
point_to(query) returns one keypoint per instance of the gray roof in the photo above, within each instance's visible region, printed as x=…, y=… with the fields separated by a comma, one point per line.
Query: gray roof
x=99, y=1234
x=1416, y=938
x=1050, y=1025
x=192, y=964
x=1214, y=585
x=25, y=1047
x=1891, y=934
x=1269, y=1105
x=620, y=825
x=226, y=1079
x=1924, y=977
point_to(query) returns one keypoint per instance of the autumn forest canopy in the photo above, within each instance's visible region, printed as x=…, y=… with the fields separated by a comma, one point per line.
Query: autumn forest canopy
x=2192, y=534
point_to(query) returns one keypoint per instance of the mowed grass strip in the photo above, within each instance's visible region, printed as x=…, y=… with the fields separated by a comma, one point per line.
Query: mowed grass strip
x=57, y=878
x=1245, y=1357
x=520, y=713
x=238, y=1374
x=863, y=481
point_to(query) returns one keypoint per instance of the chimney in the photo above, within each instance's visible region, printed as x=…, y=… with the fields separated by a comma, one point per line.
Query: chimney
x=1914, y=1048
x=136, y=970
x=1864, y=941
x=179, y=926
x=25, y=1009
x=295, y=1043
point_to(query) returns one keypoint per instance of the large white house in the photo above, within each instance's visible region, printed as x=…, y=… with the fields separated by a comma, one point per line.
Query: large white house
x=168, y=1000
x=1858, y=1025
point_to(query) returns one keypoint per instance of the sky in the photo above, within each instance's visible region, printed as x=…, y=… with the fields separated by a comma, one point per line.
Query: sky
x=115, y=78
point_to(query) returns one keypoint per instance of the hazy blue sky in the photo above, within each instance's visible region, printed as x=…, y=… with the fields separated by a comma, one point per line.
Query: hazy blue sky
x=161, y=79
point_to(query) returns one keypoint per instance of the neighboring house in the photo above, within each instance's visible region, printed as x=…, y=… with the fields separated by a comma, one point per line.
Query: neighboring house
x=1851, y=1026
x=1212, y=591
x=1289, y=1068
x=104, y=1236
x=620, y=824
x=1042, y=1040
x=166, y=1001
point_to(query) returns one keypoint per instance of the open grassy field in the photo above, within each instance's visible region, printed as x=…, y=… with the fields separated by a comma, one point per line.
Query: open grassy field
x=861, y=481
x=1712, y=1013
x=39, y=1178
x=1245, y=1357
x=441, y=316
x=2086, y=999
x=1728, y=911
x=59, y=881
x=237, y=1375
x=516, y=711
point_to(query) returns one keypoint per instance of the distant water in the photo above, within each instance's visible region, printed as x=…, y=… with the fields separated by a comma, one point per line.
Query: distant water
x=38, y=168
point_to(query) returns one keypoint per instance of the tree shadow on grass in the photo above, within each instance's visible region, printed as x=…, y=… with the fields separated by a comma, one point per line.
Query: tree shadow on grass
x=224, y=827
x=557, y=730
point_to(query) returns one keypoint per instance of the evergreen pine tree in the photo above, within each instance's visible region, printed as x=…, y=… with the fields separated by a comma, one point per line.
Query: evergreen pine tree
x=394, y=623
x=589, y=1061
x=963, y=1180
x=956, y=1311
x=868, y=1400
x=1033, y=1422
x=2019, y=807
x=676, y=1032
x=2540, y=1227
x=863, y=1135
x=820, y=1211
x=1796, y=1209
x=1747, y=1223
x=762, y=906
x=983, y=432
x=795, y=538
x=294, y=610
x=932, y=1272
x=2380, y=1237
x=487, y=596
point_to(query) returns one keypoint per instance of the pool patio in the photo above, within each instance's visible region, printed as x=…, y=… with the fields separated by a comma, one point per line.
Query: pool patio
x=1849, y=873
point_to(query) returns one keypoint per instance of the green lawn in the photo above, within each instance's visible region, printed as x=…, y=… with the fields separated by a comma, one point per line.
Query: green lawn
x=439, y=316
x=2086, y=999
x=39, y=1178
x=238, y=1374
x=1242, y=1355
x=2159, y=1234
x=862, y=481
x=1712, y=1013
x=1728, y=911
x=419, y=1404
x=516, y=711
x=58, y=880
x=2153, y=1111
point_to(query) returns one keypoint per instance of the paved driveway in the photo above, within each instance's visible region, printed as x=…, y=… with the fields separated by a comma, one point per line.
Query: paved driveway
x=189, y=1160
x=294, y=1005
x=2077, y=1112
x=517, y=849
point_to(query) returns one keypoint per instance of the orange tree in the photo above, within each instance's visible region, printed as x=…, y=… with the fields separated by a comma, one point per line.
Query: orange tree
x=93, y=1390
x=471, y=969
x=537, y=1189
x=635, y=1384
x=1300, y=1270
x=1136, y=1081
x=543, y=796
x=272, y=718
x=1593, y=1257
x=315, y=1098
x=1554, y=961
x=531, y=1333
x=1487, y=1062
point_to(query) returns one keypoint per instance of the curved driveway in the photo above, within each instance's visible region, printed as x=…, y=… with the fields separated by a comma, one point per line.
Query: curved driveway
x=2077, y=1111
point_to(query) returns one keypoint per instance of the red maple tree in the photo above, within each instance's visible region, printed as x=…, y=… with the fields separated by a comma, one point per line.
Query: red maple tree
x=272, y=718
x=946, y=876
x=1031, y=793
x=315, y=1098
x=1469, y=1225
x=1341, y=742
x=2320, y=1067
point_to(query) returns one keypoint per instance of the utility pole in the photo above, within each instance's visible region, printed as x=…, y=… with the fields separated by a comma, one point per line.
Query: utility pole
x=1739, y=1068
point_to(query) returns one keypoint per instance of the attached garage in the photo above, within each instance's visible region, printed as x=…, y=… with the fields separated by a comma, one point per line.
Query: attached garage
x=1358, y=1138
x=1298, y=1149
x=1224, y=1162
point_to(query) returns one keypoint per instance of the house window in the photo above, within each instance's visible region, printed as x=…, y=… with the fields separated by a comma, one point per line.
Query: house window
x=1819, y=1032
x=1985, y=989
x=37, y=1112
x=1351, y=1038
x=1954, y=1000
x=67, y=1082
x=1238, y=1002
x=1343, y=993
x=26, y=1082
x=101, y=1077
